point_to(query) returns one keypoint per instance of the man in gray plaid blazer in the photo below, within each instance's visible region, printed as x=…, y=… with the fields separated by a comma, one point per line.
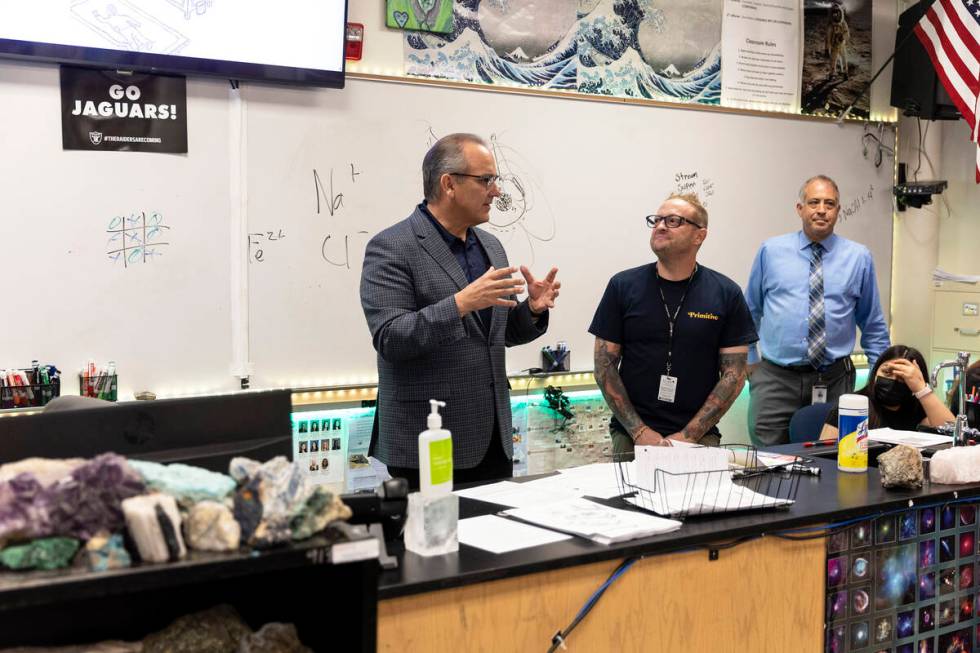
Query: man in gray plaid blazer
x=440, y=301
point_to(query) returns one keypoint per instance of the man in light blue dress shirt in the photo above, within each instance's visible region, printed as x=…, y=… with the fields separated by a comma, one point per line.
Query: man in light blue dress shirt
x=807, y=292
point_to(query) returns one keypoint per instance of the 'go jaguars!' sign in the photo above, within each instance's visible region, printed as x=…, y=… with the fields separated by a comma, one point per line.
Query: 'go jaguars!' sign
x=103, y=110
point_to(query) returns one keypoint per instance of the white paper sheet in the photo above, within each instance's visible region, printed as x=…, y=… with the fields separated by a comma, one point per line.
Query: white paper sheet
x=596, y=522
x=499, y=535
x=514, y=495
x=911, y=438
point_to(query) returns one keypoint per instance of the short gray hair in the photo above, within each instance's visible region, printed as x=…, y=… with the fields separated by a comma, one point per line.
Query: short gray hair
x=445, y=156
x=814, y=178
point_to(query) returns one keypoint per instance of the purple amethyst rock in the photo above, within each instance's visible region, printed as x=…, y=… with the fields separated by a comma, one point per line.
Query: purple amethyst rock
x=89, y=500
x=79, y=505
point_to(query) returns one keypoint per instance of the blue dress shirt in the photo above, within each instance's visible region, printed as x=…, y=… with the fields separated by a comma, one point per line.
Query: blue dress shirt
x=470, y=255
x=778, y=298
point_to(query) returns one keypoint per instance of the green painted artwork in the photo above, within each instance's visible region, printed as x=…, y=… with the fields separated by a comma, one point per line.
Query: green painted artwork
x=422, y=15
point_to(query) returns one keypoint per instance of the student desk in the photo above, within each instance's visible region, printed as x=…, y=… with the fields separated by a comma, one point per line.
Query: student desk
x=762, y=594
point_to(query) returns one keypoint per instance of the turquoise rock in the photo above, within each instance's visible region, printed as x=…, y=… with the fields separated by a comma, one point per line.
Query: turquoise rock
x=185, y=483
x=104, y=552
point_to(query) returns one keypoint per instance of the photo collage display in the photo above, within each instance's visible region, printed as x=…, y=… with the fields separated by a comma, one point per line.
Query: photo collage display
x=905, y=583
x=319, y=445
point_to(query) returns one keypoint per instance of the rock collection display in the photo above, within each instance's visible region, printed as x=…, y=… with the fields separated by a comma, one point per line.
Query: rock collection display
x=165, y=509
x=104, y=513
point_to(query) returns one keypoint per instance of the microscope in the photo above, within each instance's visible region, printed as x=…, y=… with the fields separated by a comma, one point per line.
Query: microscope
x=959, y=428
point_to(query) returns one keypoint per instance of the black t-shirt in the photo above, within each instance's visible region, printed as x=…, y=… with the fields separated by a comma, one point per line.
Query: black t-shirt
x=713, y=316
x=908, y=416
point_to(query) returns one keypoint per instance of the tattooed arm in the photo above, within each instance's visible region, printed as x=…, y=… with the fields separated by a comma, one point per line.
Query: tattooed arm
x=607, y=356
x=732, y=364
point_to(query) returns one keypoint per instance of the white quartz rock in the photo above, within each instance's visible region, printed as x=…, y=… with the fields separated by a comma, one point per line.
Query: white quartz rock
x=210, y=526
x=155, y=532
x=955, y=465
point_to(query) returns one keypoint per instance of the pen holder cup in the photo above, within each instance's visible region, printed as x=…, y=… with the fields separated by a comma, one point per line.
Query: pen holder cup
x=556, y=360
x=973, y=414
x=29, y=396
x=100, y=386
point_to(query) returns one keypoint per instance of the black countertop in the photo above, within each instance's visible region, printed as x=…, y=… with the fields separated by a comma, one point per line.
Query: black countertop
x=832, y=497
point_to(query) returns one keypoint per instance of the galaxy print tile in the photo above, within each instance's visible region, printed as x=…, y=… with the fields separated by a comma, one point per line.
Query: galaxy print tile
x=927, y=618
x=860, y=635
x=958, y=641
x=966, y=609
x=966, y=576
x=908, y=526
x=968, y=515
x=883, y=630
x=927, y=520
x=861, y=535
x=947, y=580
x=905, y=624
x=968, y=544
x=885, y=530
x=947, y=548
x=946, y=613
x=838, y=541
x=860, y=601
x=836, y=571
x=927, y=585
x=860, y=568
x=947, y=518
x=895, y=583
x=837, y=606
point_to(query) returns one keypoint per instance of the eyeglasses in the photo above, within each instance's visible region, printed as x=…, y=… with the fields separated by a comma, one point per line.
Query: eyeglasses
x=484, y=180
x=672, y=221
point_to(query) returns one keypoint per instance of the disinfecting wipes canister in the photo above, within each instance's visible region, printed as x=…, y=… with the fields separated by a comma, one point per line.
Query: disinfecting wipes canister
x=852, y=434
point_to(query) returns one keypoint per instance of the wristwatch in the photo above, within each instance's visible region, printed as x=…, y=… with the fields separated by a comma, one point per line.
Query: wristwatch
x=923, y=392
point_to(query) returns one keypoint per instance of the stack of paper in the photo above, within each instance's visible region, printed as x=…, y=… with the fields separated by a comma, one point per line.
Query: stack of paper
x=594, y=521
x=942, y=275
x=911, y=438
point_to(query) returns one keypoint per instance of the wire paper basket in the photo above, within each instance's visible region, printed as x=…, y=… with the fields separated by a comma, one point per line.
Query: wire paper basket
x=741, y=484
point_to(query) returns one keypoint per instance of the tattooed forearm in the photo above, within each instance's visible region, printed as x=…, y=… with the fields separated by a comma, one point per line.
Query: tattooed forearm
x=607, y=356
x=730, y=382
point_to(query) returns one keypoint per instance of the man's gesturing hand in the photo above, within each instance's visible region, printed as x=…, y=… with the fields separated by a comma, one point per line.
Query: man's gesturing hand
x=492, y=289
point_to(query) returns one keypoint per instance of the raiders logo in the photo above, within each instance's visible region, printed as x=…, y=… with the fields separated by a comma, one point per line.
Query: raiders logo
x=95, y=137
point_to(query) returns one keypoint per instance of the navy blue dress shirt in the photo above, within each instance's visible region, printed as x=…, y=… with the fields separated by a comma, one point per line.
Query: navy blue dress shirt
x=470, y=255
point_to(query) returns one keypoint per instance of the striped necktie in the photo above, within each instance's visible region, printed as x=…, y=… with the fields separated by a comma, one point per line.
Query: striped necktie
x=816, y=339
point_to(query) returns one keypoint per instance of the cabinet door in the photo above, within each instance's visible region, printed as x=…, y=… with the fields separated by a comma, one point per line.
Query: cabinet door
x=956, y=321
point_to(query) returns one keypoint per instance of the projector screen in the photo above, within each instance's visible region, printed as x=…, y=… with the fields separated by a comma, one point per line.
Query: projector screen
x=295, y=41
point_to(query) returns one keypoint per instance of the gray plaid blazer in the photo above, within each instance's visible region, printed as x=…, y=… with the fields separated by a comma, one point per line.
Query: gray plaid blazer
x=425, y=351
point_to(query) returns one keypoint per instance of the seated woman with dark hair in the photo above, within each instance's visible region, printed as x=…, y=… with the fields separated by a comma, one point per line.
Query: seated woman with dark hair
x=899, y=397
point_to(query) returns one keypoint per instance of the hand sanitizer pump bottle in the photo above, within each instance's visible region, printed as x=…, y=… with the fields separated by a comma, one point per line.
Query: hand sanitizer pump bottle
x=433, y=512
x=435, y=456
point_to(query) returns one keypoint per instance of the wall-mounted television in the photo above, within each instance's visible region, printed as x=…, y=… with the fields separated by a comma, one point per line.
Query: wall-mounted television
x=284, y=41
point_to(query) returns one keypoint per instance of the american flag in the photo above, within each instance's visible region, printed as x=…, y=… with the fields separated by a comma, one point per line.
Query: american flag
x=950, y=33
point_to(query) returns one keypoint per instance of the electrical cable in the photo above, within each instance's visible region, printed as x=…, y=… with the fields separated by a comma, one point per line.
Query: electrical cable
x=918, y=123
x=558, y=640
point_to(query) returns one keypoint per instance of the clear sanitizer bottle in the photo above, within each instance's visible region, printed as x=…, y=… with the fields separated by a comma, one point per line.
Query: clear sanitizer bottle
x=435, y=456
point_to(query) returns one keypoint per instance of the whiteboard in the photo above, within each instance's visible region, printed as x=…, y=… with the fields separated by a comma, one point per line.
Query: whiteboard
x=588, y=173
x=165, y=318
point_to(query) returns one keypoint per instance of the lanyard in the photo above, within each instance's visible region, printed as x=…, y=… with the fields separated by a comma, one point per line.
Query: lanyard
x=672, y=319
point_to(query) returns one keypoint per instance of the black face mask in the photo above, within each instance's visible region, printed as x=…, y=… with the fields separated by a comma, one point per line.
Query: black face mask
x=889, y=392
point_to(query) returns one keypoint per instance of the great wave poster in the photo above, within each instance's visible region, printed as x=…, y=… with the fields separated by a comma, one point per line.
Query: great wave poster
x=628, y=48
